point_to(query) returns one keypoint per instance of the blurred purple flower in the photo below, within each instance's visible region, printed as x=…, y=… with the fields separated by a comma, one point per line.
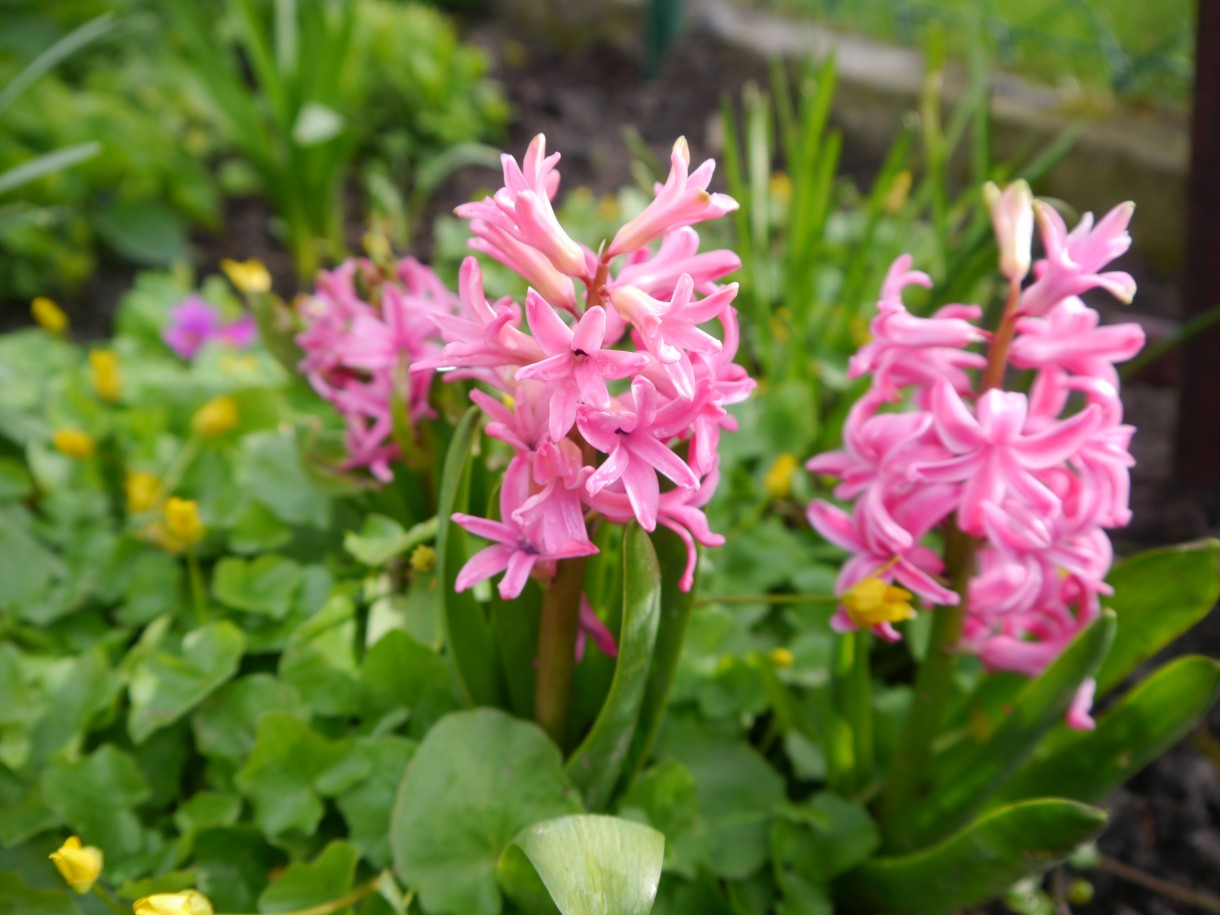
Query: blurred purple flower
x=193, y=322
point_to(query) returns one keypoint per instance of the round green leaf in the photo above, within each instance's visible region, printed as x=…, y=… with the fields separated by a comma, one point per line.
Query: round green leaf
x=476, y=781
x=594, y=865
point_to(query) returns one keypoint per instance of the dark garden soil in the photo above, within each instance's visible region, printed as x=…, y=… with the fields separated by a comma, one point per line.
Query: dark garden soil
x=1167, y=821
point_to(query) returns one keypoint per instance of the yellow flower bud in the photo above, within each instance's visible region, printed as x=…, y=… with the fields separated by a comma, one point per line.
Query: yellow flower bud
x=104, y=374
x=216, y=417
x=182, y=521
x=780, y=187
x=248, y=276
x=423, y=558
x=78, y=865
x=188, y=902
x=778, y=481
x=74, y=443
x=782, y=657
x=872, y=601
x=143, y=489
x=49, y=316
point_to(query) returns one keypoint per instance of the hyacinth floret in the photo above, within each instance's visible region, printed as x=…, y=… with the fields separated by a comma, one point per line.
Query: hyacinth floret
x=1032, y=479
x=613, y=377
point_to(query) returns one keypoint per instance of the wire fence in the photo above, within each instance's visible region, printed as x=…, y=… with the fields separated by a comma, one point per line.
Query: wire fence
x=1049, y=40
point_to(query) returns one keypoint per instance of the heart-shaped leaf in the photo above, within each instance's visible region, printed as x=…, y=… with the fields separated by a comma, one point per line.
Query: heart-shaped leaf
x=165, y=686
x=975, y=865
x=301, y=886
x=476, y=781
x=592, y=865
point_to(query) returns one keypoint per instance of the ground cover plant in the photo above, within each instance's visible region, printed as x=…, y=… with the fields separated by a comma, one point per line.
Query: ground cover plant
x=495, y=592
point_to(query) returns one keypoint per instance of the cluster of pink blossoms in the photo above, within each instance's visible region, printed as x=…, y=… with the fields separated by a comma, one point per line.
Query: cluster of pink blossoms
x=1034, y=478
x=618, y=381
x=363, y=330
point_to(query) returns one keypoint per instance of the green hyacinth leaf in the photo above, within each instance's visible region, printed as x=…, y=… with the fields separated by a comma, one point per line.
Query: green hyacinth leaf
x=467, y=633
x=975, y=865
x=1158, y=595
x=1087, y=765
x=596, y=764
x=977, y=774
x=675, y=613
x=593, y=865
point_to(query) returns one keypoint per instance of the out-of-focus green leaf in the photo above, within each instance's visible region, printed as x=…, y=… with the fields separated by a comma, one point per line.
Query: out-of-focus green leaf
x=145, y=231
x=1087, y=765
x=367, y=807
x=291, y=768
x=234, y=865
x=320, y=658
x=166, y=686
x=476, y=781
x=95, y=796
x=668, y=800
x=593, y=865
x=226, y=723
x=325, y=879
x=18, y=899
x=399, y=674
x=974, y=865
x=1158, y=595
x=382, y=538
x=596, y=765
x=265, y=585
x=823, y=837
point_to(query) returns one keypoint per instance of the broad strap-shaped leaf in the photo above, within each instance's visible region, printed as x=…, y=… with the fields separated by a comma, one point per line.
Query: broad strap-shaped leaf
x=675, y=613
x=592, y=865
x=1158, y=595
x=597, y=763
x=467, y=633
x=1087, y=765
x=476, y=781
x=967, y=782
x=973, y=866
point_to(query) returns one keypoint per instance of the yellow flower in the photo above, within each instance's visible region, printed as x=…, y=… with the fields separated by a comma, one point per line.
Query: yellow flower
x=142, y=489
x=782, y=657
x=778, y=481
x=182, y=521
x=248, y=276
x=872, y=601
x=897, y=193
x=423, y=558
x=188, y=902
x=49, y=316
x=78, y=865
x=216, y=417
x=780, y=187
x=74, y=443
x=104, y=374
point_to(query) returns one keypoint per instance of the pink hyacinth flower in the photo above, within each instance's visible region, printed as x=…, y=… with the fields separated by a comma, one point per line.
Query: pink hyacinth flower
x=634, y=454
x=576, y=364
x=681, y=201
x=1074, y=260
x=592, y=627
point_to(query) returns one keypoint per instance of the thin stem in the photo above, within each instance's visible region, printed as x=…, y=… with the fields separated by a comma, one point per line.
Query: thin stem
x=560, y=624
x=766, y=599
x=198, y=595
x=104, y=894
x=997, y=354
x=1197, y=898
x=933, y=684
x=343, y=902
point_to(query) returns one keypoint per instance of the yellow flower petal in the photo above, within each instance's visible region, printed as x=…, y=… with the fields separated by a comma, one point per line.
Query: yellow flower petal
x=49, y=316
x=143, y=489
x=78, y=865
x=74, y=443
x=182, y=521
x=248, y=276
x=872, y=601
x=216, y=417
x=104, y=374
x=778, y=481
x=188, y=902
